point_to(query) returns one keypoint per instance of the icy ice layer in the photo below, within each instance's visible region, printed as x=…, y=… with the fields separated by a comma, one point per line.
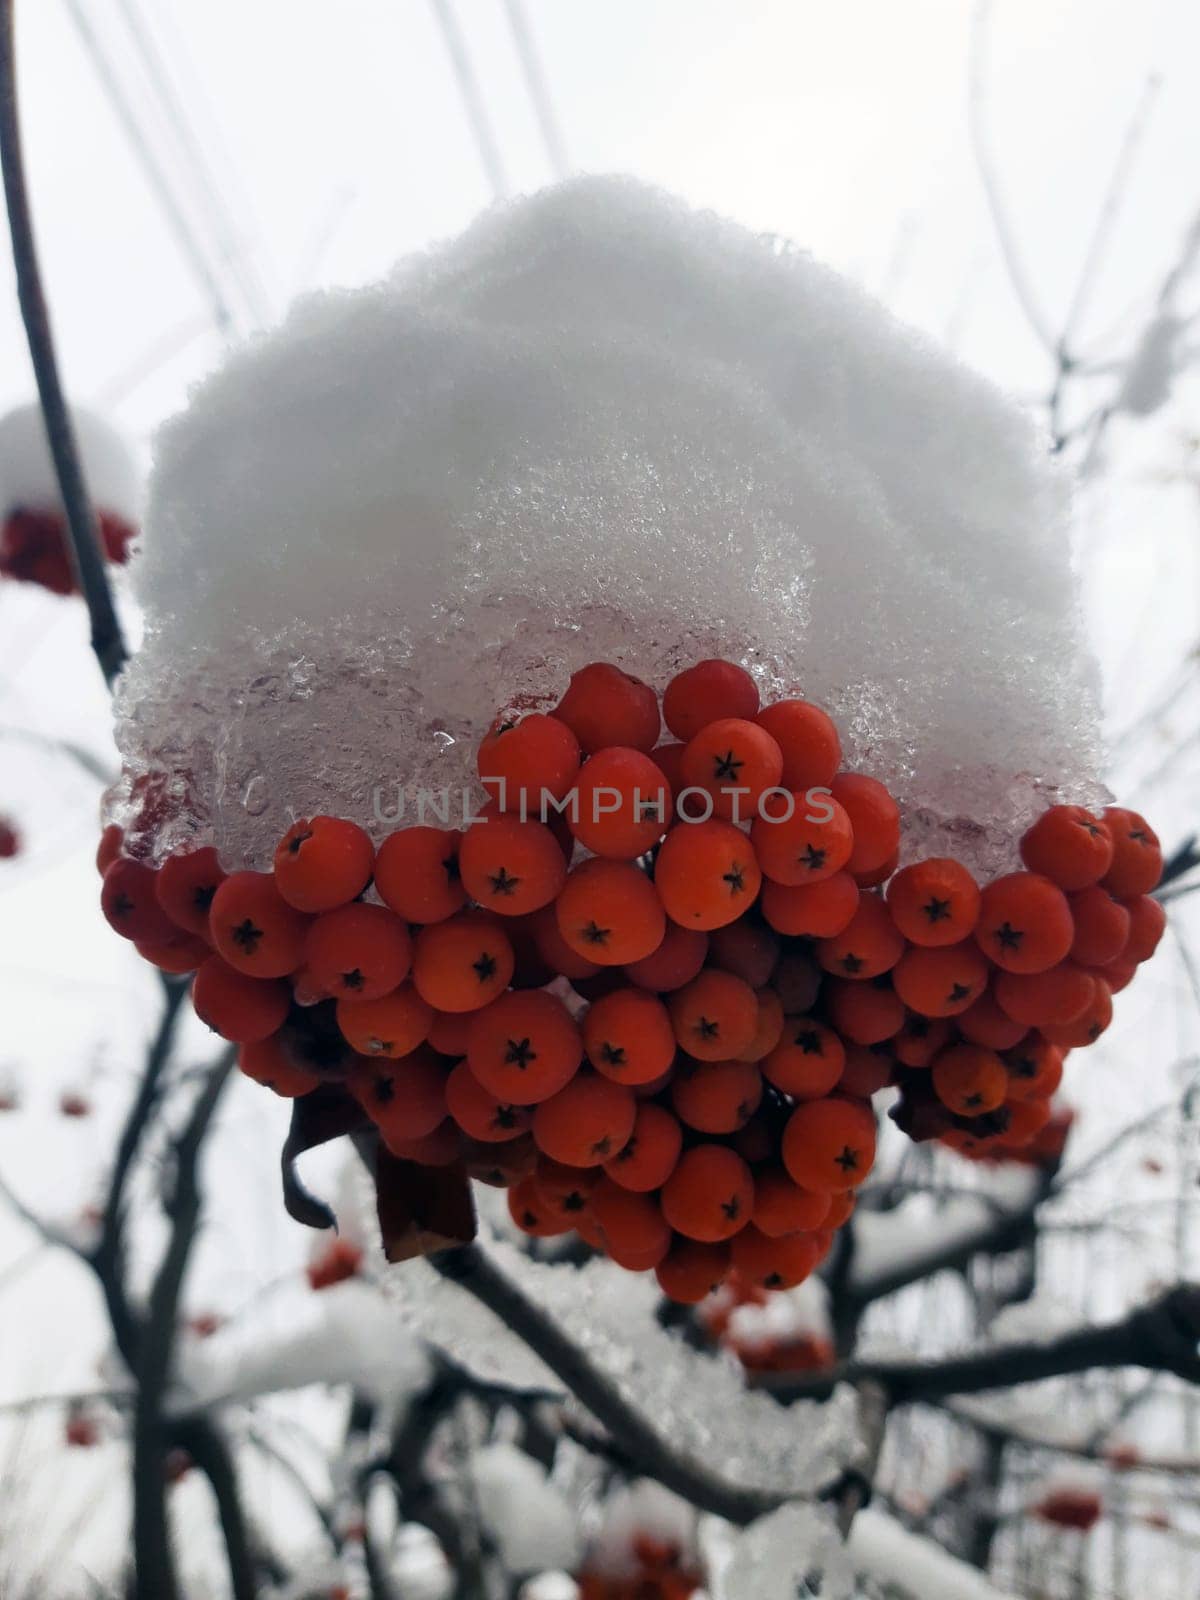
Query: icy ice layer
x=599, y=425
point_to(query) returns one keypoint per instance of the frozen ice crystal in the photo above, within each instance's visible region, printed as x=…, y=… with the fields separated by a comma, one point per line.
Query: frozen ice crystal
x=598, y=425
x=796, y=1552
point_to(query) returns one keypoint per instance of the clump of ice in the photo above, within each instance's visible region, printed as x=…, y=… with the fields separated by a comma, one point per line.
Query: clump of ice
x=796, y=1552
x=27, y=477
x=600, y=425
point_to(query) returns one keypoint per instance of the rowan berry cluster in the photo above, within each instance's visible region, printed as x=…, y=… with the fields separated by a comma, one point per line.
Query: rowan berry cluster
x=653, y=986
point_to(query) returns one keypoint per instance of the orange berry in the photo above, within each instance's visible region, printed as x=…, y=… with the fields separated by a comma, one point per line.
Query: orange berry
x=919, y=1040
x=745, y=948
x=241, y=1009
x=1086, y=1029
x=567, y=1190
x=182, y=954
x=623, y=804
x=869, y=944
x=710, y=1194
x=874, y=817
x=1057, y=996
x=677, y=960
x=1024, y=923
x=767, y=1263
x=668, y=758
x=587, y=1122
x=510, y=867
x=405, y=1099
x=801, y=841
x=841, y=1209
x=628, y=1036
x=448, y=1032
x=811, y=910
x=522, y=761
x=110, y=844
x=865, y=1073
x=1147, y=923
x=706, y=692
x=690, y=1271
x=1119, y=974
x=478, y=1112
x=361, y=952
x=629, y=1223
x=808, y=1060
x=129, y=901
x=650, y=1156
x=605, y=706
x=416, y=874
x=254, y=928
x=1068, y=845
x=988, y=1024
x=441, y=1148
x=499, y=1164
x=808, y=741
x=934, y=902
x=714, y=1016
x=716, y=1096
x=322, y=863
x=1101, y=926
x=768, y=1029
x=1137, y=860
x=609, y=912
x=524, y=1047
x=829, y=1144
x=462, y=964
x=532, y=1214
x=186, y=885
x=735, y=762
x=706, y=874
x=267, y=1063
x=554, y=950
x=866, y=1013
x=941, y=981
x=1026, y=1119
x=1034, y=1070
x=797, y=982
x=874, y=877
x=392, y=1026
x=782, y=1207
x=969, y=1079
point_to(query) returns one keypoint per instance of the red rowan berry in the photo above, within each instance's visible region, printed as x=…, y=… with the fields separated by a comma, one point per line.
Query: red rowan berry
x=109, y=848
x=524, y=1047
x=416, y=874
x=322, y=863
x=651, y=1154
x=757, y=1142
x=935, y=902
x=405, y=1099
x=869, y=944
x=254, y=928
x=499, y=1165
x=866, y=1072
x=808, y=1060
x=186, y=886
x=241, y=1009
x=1026, y=1119
x=1147, y=922
x=706, y=692
x=183, y=953
x=448, y=1032
x=714, y=1016
x=510, y=867
x=462, y=964
x=629, y=1222
x=587, y=1122
x=668, y=758
x=706, y=874
x=1035, y=1069
x=797, y=981
x=811, y=843
x=609, y=912
x=841, y=1209
x=1034, y=999
x=677, y=960
x=745, y=948
x=520, y=761
x=1137, y=859
x=710, y=1194
x=360, y=952
x=864, y=1013
x=768, y=1029
x=941, y=981
x=829, y=1144
x=814, y=910
x=567, y=1190
x=986, y=1023
x=623, y=804
x=690, y=1271
x=1024, y=923
x=478, y=1112
x=605, y=706
x=875, y=877
x=628, y=1036
x=874, y=817
x=780, y=1263
x=735, y=762
x=716, y=1096
x=441, y=1148
x=1101, y=926
x=392, y=1026
x=554, y=949
x=1119, y=974
x=532, y=1214
x=1086, y=1029
x=130, y=905
x=782, y=1207
x=969, y=1079
x=808, y=741
x=1068, y=845
x=266, y=1062
x=920, y=1039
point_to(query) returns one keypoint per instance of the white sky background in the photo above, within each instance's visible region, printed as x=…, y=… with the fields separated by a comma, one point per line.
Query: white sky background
x=337, y=142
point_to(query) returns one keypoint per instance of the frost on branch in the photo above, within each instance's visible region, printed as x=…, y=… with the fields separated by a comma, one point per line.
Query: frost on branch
x=598, y=425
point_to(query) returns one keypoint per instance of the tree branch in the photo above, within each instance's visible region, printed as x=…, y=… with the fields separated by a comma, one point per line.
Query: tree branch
x=206, y=1445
